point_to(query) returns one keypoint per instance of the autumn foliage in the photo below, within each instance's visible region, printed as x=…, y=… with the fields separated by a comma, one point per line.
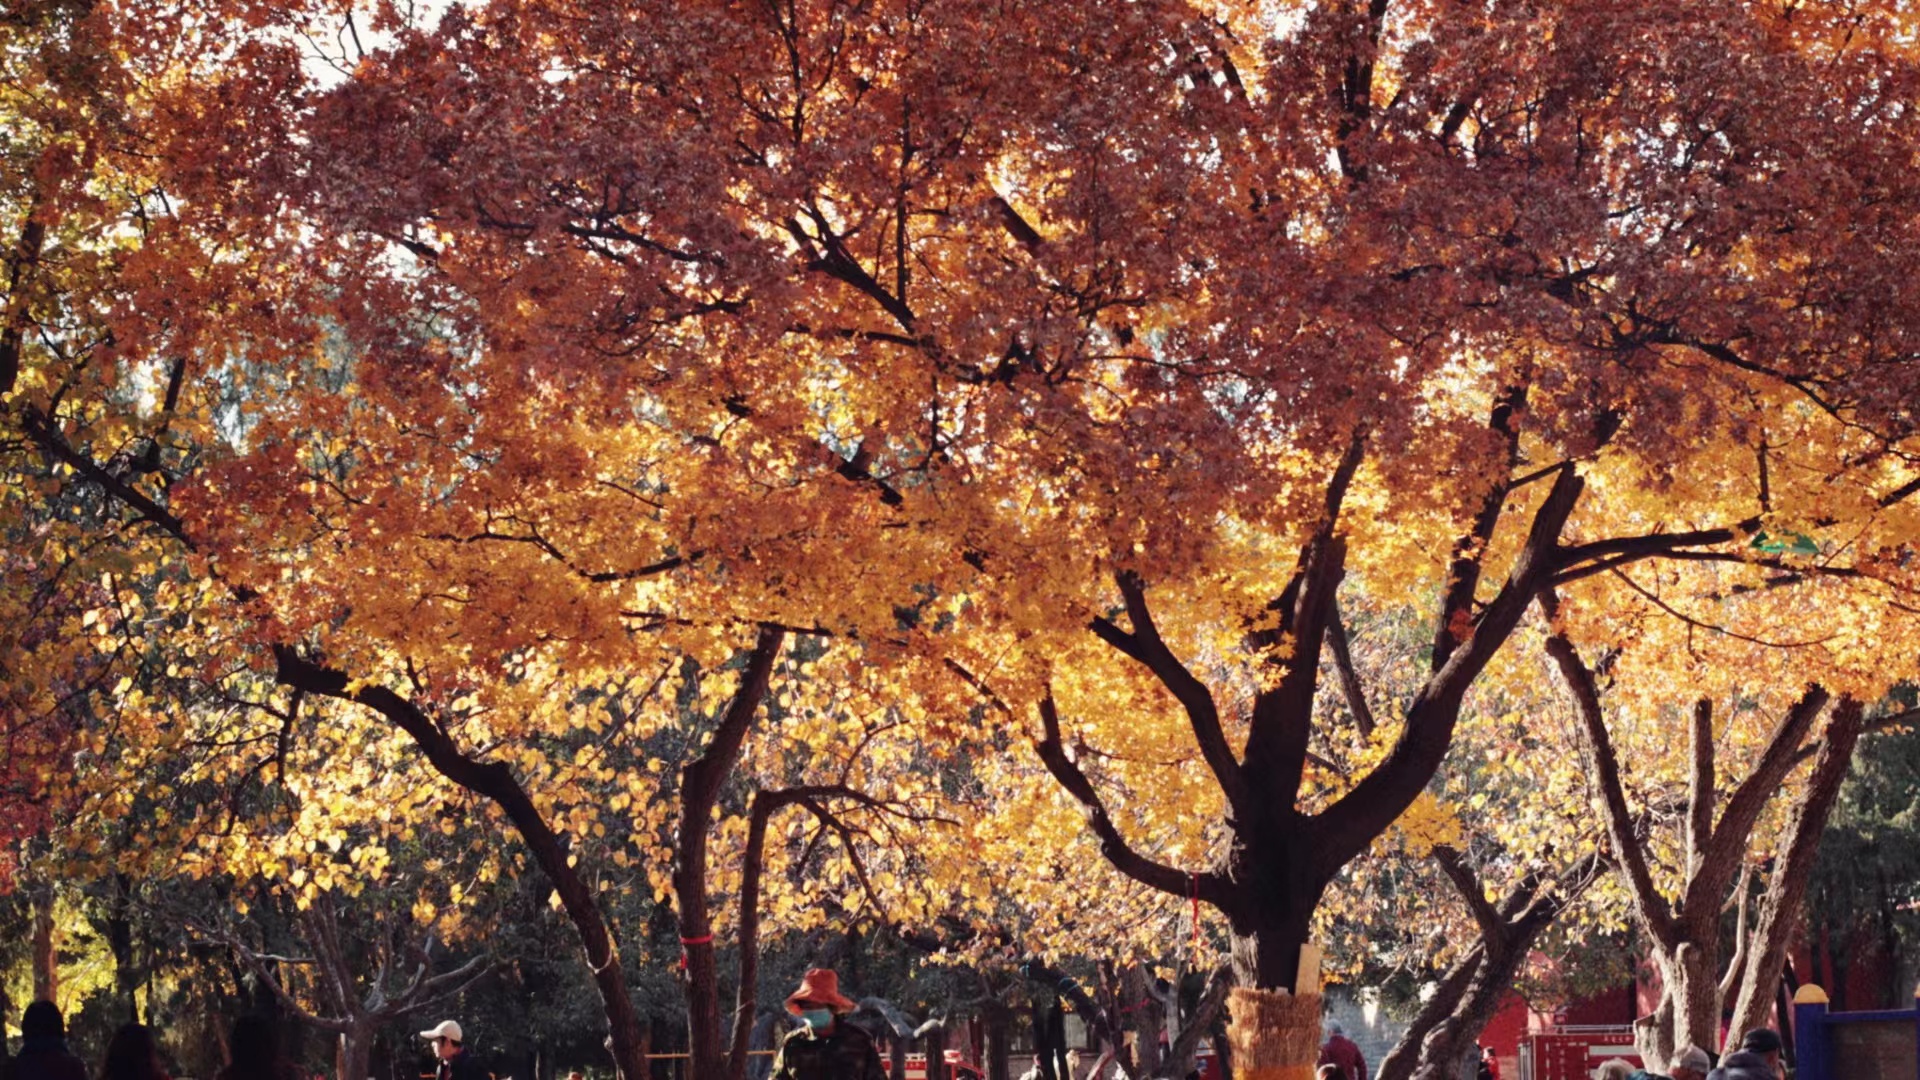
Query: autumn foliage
x=839, y=394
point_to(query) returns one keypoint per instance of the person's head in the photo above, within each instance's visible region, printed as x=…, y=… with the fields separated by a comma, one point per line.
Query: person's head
x=1691, y=1064
x=42, y=1020
x=818, y=1001
x=1764, y=1042
x=1486, y=1053
x=132, y=1055
x=253, y=1050
x=1336, y=1028
x=1614, y=1069
x=445, y=1038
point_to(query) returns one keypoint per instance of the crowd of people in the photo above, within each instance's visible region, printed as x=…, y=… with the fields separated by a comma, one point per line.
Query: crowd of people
x=1758, y=1058
x=253, y=1052
x=823, y=1047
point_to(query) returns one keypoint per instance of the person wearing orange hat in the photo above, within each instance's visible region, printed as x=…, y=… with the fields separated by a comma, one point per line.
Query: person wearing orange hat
x=825, y=1046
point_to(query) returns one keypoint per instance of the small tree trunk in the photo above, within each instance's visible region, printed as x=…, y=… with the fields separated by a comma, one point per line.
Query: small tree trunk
x=998, y=1019
x=46, y=952
x=354, y=1052
x=936, y=1050
x=1144, y=1009
x=1400, y=1062
x=126, y=974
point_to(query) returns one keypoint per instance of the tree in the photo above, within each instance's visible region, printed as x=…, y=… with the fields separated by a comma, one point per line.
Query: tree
x=401, y=983
x=1856, y=905
x=1104, y=352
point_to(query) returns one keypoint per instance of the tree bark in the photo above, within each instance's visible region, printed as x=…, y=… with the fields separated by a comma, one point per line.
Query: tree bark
x=998, y=1020
x=700, y=784
x=46, y=945
x=126, y=973
x=1185, y=1044
x=355, y=1051
x=1780, y=908
x=1148, y=1020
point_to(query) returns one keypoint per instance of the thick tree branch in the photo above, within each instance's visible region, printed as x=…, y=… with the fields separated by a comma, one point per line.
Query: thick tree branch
x=496, y=782
x=1282, y=721
x=1469, y=552
x=46, y=434
x=1780, y=909
x=1344, y=829
x=700, y=784
x=1350, y=686
x=1605, y=769
x=20, y=265
x=1467, y=883
x=1208, y=886
x=1700, y=794
x=1721, y=856
x=1145, y=647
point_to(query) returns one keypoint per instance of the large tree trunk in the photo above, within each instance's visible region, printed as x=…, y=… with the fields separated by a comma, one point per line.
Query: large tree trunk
x=1689, y=1013
x=1275, y=1005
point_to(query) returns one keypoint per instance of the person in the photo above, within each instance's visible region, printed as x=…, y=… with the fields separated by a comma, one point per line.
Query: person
x=1757, y=1059
x=1344, y=1052
x=452, y=1060
x=825, y=1046
x=253, y=1052
x=1613, y=1069
x=132, y=1054
x=1489, y=1064
x=1691, y=1063
x=43, y=1047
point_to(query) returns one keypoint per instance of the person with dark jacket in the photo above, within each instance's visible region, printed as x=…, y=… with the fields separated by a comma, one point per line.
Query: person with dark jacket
x=454, y=1062
x=253, y=1052
x=133, y=1055
x=826, y=1046
x=43, y=1047
x=1757, y=1059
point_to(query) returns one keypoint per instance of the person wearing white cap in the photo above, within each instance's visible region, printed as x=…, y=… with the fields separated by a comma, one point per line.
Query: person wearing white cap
x=454, y=1063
